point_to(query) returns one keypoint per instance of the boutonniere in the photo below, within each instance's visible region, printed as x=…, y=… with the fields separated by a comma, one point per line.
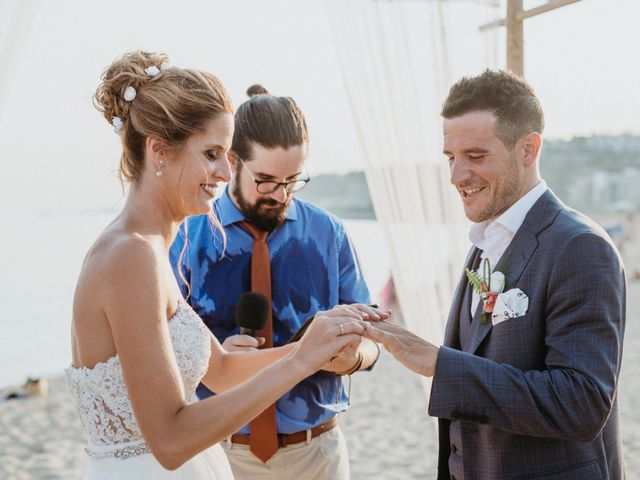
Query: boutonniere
x=489, y=286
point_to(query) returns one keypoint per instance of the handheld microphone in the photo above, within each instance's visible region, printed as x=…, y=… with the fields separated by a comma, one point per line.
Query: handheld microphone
x=252, y=312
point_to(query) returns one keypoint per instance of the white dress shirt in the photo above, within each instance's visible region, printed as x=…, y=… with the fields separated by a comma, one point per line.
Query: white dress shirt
x=494, y=237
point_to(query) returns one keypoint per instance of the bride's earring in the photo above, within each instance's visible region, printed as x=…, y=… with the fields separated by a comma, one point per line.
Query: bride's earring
x=159, y=171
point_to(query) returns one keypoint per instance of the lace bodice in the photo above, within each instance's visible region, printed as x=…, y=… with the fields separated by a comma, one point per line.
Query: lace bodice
x=101, y=395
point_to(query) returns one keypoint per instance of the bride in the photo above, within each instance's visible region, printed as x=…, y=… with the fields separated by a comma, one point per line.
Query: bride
x=139, y=350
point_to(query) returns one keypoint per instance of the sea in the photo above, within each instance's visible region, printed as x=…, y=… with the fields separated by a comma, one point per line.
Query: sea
x=43, y=252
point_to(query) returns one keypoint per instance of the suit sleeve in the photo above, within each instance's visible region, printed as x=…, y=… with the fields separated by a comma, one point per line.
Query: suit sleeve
x=572, y=397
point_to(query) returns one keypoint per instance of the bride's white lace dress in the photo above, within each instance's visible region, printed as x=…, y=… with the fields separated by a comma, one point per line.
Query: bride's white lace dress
x=116, y=447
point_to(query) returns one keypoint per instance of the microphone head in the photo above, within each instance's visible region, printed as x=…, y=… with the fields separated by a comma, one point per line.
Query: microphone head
x=252, y=311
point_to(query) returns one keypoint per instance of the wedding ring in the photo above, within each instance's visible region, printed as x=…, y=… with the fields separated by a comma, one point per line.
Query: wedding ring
x=341, y=329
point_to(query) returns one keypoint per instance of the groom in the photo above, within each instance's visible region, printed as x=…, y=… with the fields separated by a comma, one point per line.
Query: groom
x=525, y=384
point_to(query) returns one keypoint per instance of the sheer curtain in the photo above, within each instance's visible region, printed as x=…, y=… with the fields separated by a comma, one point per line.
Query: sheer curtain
x=398, y=60
x=16, y=20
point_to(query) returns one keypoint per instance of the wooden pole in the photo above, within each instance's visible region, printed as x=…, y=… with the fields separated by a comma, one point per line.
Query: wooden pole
x=547, y=7
x=514, y=23
x=515, y=37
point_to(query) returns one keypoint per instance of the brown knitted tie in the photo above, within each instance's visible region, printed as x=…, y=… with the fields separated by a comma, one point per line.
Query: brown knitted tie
x=263, y=435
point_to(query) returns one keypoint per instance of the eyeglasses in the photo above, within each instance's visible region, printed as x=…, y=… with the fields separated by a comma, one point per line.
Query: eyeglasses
x=269, y=186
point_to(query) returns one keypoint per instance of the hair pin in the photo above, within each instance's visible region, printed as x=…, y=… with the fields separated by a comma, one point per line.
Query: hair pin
x=152, y=71
x=117, y=125
x=129, y=93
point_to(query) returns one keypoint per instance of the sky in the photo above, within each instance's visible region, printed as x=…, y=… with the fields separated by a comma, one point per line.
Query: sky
x=58, y=153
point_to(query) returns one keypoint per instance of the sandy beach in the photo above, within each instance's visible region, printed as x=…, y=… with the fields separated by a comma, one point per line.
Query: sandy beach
x=388, y=431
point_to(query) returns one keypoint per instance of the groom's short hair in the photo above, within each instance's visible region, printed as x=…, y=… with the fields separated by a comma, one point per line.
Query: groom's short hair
x=507, y=96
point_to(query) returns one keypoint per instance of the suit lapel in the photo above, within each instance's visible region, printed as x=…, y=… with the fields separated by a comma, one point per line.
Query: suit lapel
x=452, y=332
x=518, y=254
x=476, y=329
x=520, y=251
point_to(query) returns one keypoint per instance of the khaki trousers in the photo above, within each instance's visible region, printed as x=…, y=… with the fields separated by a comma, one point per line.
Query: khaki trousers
x=324, y=458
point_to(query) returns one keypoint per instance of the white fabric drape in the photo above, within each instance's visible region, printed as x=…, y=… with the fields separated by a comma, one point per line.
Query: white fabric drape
x=398, y=60
x=16, y=20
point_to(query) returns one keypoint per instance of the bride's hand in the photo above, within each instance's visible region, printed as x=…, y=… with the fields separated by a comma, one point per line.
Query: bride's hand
x=349, y=357
x=371, y=313
x=330, y=333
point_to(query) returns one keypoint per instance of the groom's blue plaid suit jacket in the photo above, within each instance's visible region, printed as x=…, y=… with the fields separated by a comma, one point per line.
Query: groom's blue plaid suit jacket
x=535, y=396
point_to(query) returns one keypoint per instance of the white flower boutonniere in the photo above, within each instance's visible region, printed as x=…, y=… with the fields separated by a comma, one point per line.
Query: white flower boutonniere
x=498, y=305
x=489, y=286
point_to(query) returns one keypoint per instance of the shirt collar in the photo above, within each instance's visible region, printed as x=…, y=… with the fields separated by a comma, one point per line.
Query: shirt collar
x=229, y=213
x=512, y=218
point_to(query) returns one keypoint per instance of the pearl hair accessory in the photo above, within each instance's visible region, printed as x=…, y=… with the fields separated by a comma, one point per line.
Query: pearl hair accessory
x=117, y=125
x=129, y=93
x=152, y=71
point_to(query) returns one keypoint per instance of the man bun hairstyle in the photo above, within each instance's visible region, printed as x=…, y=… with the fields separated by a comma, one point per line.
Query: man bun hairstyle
x=268, y=121
x=256, y=89
x=510, y=98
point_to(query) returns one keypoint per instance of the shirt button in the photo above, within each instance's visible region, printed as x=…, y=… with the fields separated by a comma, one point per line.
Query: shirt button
x=453, y=448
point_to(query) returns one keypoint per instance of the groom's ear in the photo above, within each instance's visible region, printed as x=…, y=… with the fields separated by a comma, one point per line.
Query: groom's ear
x=531, y=146
x=233, y=160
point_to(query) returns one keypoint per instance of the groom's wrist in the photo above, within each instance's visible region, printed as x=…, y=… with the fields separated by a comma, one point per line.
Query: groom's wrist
x=428, y=362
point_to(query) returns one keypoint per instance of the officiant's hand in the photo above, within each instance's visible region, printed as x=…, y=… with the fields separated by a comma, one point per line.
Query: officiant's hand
x=242, y=343
x=359, y=354
x=330, y=334
x=345, y=360
x=409, y=349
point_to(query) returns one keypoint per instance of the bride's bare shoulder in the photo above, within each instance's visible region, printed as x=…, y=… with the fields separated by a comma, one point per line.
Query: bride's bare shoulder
x=119, y=257
x=119, y=274
x=116, y=248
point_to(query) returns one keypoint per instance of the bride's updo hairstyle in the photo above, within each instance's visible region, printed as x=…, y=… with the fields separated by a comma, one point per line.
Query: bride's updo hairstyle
x=142, y=96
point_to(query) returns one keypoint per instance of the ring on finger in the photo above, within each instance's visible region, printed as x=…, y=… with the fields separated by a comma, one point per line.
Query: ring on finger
x=341, y=329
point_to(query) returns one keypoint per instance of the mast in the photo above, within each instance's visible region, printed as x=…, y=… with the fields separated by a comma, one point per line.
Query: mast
x=514, y=22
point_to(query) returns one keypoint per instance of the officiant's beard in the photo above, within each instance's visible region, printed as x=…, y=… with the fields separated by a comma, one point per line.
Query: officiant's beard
x=266, y=214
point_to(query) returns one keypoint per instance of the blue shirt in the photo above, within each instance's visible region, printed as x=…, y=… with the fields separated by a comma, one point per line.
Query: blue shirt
x=313, y=267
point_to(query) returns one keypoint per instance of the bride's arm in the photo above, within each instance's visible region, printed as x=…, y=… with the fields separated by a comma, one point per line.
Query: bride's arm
x=135, y=304
x=228, y=369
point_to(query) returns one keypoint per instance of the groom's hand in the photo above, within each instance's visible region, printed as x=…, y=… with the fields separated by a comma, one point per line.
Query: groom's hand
x=412, y=351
